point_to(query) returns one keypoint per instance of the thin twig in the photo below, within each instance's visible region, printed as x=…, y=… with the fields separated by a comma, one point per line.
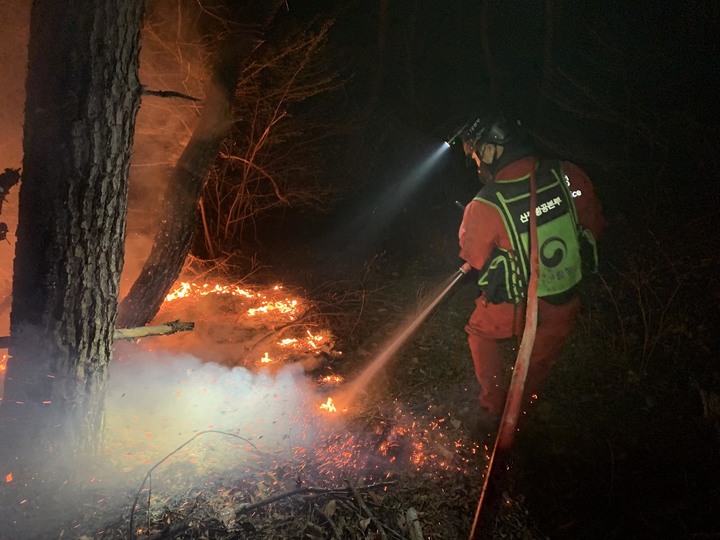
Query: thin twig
x=328, y=520
x=366, y=510
x=305, y=490
x=148, y=475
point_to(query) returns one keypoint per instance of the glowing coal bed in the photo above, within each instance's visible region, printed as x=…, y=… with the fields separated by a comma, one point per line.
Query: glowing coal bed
x=193, y=444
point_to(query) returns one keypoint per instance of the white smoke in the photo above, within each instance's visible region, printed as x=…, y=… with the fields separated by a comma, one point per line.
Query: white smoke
x=155, y=397
x=187, y=422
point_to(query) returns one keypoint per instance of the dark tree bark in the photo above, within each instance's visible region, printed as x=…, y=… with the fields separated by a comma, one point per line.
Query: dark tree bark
x=179, y=222
x=83, y=94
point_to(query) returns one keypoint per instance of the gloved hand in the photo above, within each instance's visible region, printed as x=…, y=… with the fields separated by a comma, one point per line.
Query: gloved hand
x=465, y=268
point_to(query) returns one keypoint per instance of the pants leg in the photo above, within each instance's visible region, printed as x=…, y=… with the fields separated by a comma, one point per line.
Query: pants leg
x=488, y=363
x=488, y=323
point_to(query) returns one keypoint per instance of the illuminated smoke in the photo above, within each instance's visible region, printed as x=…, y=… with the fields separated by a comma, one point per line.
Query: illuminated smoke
x=156, y=403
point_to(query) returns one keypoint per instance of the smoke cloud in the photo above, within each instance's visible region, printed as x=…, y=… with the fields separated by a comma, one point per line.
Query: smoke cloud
x=170, y=399
x=193, y=421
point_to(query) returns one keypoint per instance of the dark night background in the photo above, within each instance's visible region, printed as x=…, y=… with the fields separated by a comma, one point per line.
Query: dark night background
x=630, y=98
x=626, y=443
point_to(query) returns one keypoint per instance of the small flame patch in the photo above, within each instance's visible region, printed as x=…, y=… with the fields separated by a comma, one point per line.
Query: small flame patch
x=329, y=405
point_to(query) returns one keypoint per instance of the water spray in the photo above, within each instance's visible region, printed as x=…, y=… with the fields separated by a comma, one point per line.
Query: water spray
x=351, y=392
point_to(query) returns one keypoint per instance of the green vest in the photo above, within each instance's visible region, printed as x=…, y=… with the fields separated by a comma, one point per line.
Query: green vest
x=505, y=276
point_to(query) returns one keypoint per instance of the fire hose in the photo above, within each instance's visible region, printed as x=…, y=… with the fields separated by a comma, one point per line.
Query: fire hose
x=511, y=412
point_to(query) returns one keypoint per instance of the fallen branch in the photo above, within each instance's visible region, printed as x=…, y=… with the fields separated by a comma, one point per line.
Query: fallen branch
x=276, y=332
x=135, y=333
x=158, y=330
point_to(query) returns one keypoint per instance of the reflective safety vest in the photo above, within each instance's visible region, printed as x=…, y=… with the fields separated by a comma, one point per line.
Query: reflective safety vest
x=506, y=275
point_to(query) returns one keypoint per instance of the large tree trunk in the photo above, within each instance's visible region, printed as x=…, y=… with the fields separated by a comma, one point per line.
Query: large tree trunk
x=82, y=98
x=179, y=221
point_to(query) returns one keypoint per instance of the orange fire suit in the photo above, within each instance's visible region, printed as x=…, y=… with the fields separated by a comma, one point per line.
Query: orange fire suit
x=482, y=230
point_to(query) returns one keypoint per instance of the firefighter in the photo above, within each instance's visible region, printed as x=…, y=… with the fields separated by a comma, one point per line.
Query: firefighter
x=494, y=240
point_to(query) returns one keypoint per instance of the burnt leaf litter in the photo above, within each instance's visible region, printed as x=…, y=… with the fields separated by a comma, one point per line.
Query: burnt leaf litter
x=621, y=444
x=400, y=464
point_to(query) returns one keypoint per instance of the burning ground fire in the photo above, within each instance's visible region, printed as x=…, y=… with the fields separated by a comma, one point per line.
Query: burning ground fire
x=254, y=424
x=198, y=421
x=189, y=290
x=279, y=419
x=340, y=451
x=237, y=325
x=329, y=405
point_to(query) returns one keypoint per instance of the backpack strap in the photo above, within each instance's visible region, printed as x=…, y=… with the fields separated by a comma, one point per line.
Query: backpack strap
x=500, y=278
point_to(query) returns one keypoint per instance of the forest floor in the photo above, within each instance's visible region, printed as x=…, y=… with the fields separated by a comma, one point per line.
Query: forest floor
x=402, y=459
x=623, y=443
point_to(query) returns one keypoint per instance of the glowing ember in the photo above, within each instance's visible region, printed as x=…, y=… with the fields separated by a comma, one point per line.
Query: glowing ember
x=331, y=379
x=188, y=290
x=424, y=444
x=311, y=342
x=266, y=359
x=329, y=405
x=281, y=306
x=3, y=369
x=8, y=477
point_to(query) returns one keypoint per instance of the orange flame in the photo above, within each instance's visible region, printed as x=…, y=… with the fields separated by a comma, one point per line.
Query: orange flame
x=313, y=340
x=329, y=405
x=266, y=359
x=186, y=289
x=8, y=478
x=281, y=306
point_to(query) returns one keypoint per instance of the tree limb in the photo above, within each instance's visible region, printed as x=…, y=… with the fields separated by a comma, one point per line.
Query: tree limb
x=135, y=333
x=167, y=94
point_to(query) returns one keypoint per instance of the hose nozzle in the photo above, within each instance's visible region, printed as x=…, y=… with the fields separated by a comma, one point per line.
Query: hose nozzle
x=465, y=268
